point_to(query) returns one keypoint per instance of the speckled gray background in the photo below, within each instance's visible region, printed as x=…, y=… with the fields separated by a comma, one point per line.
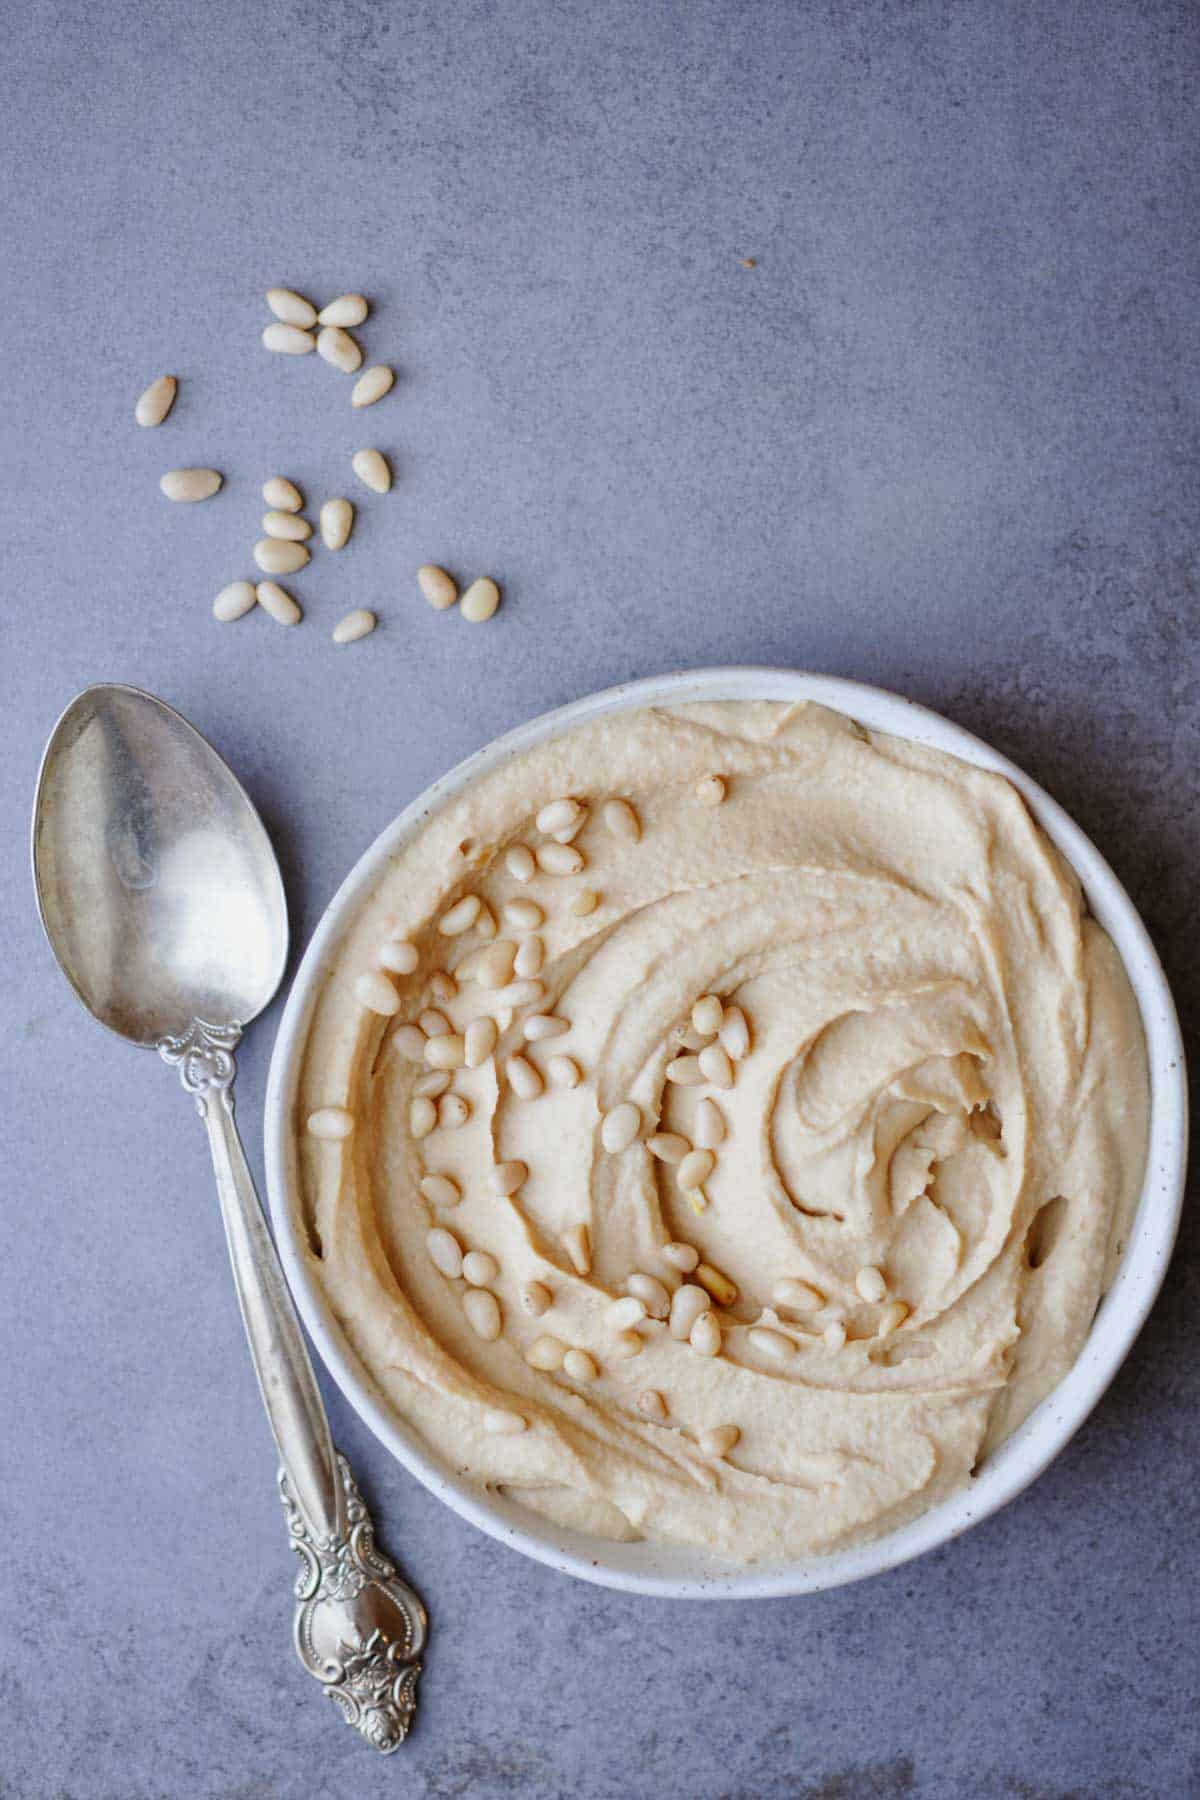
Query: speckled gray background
x=943, y=437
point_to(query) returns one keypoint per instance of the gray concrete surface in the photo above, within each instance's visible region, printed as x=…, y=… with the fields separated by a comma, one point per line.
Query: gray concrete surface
x=943, y=436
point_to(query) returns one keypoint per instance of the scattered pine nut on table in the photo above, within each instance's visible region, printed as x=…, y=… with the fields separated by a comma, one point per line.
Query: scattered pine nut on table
x=156, y=402
x=357, y=624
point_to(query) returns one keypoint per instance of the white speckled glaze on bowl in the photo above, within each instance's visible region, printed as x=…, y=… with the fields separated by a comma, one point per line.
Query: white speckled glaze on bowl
x=687, y=1573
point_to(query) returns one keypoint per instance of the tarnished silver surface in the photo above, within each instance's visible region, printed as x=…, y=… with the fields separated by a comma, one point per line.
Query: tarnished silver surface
x=161, y=897
x=359, y=1629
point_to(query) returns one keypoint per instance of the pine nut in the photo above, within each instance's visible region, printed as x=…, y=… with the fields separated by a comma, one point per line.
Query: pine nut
x=354, y=625
x=482, y=1312
x=559, y=859
x=461, y=916
x=399, y=955
x=156, y=401
x=442, y=986
x=735, y=1033
x=439, y=1026
x=530, y=955
x=715, y=1066
x=891, y=1318
x=436, y=586
x=453, y=1111
x=723, y=1291
x=376, y=993
x=566, y=834
x=652, y=1404
x=719, y=1440
x=621, y=1314
x=372, y=469
x=422, y=1117
x=693, y=1040
x=282, y=495
x=686, y=1071
x=445, y=1252
x=288, y=340
x=536, y=1298
x=621, y=820
x=479, y=601
x=485, y=924
x=668, y=1146
x=432, y=1084
x=291, y=307
x=332, y=1122
x=522, y=915
x=506, y=1178
x=347, y=309
x=687, y=1304
x=585, y=902
x=683, y=1257
x=275, y=557
x=707, y=1014
x=626, y=1344
x=409, y=1042
x=480, y=1268
x=651, y=1292
x=493, y=967
x=546, y=1353
x=337, y=522
x=559, y=815
x=705, y=1335
x=834, y=1334
x=565, y=1072
x=339, y=349
x=441, y=1190
x=620, y=1127
x=372, y=385
x=539, y=1026
x=519, y=861
x=445, y=1051
x=772, y=1344
x=710, y=790
x=190, y=484
x=697, y=1199
x=579, y=1366
x=695, y=1169
x=520, y=993
x=577, y=1242
x=234, y=601
x=796, y=1296
x=523, y=1078
x=503, y=1424
x=479, y=1040
x=871, y=1285
x=288, y=526
x=708, y=1125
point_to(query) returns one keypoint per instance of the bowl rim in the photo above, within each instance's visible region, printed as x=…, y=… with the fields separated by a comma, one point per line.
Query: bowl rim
x=665, y=1570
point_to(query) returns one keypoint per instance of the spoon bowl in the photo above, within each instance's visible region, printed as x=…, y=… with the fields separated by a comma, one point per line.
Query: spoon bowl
x=156, y=882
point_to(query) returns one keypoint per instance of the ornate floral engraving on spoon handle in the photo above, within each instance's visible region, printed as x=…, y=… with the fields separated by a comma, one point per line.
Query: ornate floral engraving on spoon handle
x=359, y=1628
x=203, y=1054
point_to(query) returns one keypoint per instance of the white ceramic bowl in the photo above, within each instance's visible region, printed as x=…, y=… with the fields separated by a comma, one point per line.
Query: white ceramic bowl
x=685, y=1573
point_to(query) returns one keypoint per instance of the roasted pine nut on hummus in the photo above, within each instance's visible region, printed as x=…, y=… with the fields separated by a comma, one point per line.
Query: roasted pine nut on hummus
x=752, y=1202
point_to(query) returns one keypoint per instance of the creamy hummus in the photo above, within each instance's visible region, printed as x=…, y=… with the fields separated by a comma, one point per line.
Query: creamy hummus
x=916, y=1081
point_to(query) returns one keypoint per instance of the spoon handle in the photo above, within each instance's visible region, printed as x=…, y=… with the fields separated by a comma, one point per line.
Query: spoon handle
x=359, y=1628
x=204, y=1057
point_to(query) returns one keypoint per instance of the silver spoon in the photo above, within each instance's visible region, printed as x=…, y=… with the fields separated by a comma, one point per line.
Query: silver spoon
x=162, y=900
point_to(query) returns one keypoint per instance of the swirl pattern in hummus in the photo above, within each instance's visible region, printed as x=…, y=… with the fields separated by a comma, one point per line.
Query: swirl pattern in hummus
x=945, y=1083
